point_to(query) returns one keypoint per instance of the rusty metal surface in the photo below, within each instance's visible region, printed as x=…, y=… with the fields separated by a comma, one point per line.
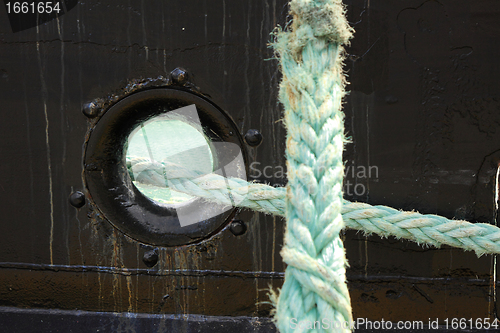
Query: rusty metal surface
x=423, y=109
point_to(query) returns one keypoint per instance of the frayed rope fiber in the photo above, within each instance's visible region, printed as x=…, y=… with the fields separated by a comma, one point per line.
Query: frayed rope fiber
x=311, y=91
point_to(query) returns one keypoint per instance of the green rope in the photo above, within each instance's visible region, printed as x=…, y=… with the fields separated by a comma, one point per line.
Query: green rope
x=212, y=187
x=384, y=221
x=311, y=91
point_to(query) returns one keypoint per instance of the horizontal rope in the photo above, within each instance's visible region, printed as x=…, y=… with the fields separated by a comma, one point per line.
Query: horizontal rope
x=384, y=221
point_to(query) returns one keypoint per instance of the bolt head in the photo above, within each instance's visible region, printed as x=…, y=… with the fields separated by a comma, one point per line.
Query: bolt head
x=179, y=76
x=253, y=137
x=150, y=258
x=90, y=110
x=238, y=227
x=77, y=199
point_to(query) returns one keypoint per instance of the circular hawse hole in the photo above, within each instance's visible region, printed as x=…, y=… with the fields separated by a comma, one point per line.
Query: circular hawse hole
x=130, y=144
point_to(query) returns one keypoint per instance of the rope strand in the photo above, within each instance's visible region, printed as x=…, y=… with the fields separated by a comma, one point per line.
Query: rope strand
x=384, y=221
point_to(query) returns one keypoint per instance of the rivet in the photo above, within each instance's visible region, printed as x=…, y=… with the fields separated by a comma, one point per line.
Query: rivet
x=150, y=258
x=179, y=76
x=90, y=110
x=77, y=199
x=253, y=137
x=238, y=227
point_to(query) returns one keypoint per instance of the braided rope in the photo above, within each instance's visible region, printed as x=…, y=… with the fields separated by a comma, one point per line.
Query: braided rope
x=311, y=91
x=428, y=229
x=384, y=221
x=212, y=187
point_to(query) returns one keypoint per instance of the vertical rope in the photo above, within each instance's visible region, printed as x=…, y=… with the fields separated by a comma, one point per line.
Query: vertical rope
x=312, y=89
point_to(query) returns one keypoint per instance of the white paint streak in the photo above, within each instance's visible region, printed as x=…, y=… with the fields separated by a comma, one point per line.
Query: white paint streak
x=496, y=192
x=49, y=167
x=47, y=142
x=495, y=215
x=144, y=34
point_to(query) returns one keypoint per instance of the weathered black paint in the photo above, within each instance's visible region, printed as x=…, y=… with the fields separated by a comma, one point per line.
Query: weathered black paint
x=423, y=108
x=31, y=14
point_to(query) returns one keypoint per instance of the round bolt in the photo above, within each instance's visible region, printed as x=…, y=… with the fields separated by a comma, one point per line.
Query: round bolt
x=179, y=75
x=90, y=110
x=238, y=227
x=150, y=258
x=253, y=137
x=77, y=199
